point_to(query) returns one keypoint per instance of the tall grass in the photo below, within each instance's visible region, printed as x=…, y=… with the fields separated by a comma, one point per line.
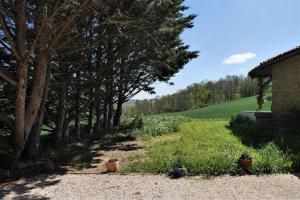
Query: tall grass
x=208, y=148
x=159, y=125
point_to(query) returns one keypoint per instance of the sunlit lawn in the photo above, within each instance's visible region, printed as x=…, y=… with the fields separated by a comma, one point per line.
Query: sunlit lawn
x=206, y=148
x=223, y=111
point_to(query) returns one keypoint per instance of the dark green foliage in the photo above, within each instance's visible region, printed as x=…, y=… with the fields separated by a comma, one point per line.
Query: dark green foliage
x=291, y=121
x=245, y=156
x=82, y=62
x=250, y=132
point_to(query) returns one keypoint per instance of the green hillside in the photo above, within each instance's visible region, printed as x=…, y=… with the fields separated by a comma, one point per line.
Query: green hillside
x=224, y=110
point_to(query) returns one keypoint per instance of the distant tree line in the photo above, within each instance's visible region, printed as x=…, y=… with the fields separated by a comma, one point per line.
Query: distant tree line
x=63, y=62
x=196, y=96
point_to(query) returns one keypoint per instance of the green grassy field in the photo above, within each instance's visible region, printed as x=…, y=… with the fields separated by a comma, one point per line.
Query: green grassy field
x=207, y=148
x=224, y=110
x=205, y=145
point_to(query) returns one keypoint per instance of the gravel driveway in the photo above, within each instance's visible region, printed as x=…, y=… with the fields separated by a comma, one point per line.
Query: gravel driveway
x=142, y=187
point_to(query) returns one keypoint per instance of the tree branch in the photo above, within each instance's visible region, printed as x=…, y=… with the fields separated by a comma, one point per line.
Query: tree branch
x=67, y=24
x=7, y=77
x=5, y=46
x=9, y=37
x=41, y=29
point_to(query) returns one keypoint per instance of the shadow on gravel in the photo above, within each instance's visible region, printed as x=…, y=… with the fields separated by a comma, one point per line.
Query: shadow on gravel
x=85, y=154
x=297, y=175
x=78, y=155
x=21, y=188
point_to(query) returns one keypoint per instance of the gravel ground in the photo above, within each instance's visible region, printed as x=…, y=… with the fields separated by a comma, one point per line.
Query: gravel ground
x=143, y=187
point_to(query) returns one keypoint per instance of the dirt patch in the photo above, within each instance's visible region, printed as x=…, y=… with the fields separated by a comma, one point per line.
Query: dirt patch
x=123, y=151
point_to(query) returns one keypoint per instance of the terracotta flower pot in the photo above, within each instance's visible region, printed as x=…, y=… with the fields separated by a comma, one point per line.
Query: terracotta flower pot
x=245, y=164
x=112, y=165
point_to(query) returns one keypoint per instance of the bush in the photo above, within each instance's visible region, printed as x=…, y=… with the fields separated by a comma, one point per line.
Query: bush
x=251, y=133
x=159, y=125
x=279, y=148
x=291, y=121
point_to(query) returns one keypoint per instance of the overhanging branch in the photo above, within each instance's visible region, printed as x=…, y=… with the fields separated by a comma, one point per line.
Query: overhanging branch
x=7, y=77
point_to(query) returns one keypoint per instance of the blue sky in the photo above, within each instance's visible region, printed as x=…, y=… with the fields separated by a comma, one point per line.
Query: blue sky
x=233, y=36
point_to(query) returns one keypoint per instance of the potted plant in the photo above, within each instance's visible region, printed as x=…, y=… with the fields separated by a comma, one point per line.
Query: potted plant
x=245, y=161
x=179, y=171
x=112, y=165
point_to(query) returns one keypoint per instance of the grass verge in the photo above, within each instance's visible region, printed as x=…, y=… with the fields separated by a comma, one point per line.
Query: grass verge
x=207, y=148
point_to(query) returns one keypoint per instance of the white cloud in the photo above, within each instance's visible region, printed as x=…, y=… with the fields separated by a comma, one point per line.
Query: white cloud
x=239, y=58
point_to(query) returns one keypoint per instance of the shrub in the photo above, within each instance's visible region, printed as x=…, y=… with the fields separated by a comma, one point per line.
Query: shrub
x=291, y=121
x=159, y=125
x=251, y=133
x=279, y=148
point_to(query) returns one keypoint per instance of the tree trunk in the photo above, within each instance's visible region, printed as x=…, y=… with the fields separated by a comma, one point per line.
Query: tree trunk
x=110, y=107
x=77, y=125
x=104, y=121
x=97, y=125
x=77, y=107
x=31, y=149
x=26, y=118
x=66, y=128
x=19, y=135
x=110, y=114
x=118, y=114
x=38, y=84
x=22, y=68
x=91, y=112
x=32, y=146
x=61, y=112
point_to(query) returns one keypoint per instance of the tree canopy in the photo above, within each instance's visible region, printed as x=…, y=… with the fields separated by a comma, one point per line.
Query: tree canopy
x=63, y=62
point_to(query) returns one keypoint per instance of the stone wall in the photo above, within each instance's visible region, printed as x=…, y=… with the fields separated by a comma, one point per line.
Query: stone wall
x=286, y=86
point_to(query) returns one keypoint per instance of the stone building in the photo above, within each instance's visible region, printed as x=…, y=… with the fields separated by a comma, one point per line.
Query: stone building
x=283, y=71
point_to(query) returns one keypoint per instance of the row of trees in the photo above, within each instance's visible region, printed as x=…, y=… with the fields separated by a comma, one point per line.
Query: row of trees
x=65, y=61
x=196, y=96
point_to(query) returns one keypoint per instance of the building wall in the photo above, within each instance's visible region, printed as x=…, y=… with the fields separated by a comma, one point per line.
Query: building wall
x=286, y=86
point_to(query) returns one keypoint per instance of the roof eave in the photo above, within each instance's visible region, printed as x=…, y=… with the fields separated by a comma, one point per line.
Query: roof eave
x=265, y=68
x=261, y=71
